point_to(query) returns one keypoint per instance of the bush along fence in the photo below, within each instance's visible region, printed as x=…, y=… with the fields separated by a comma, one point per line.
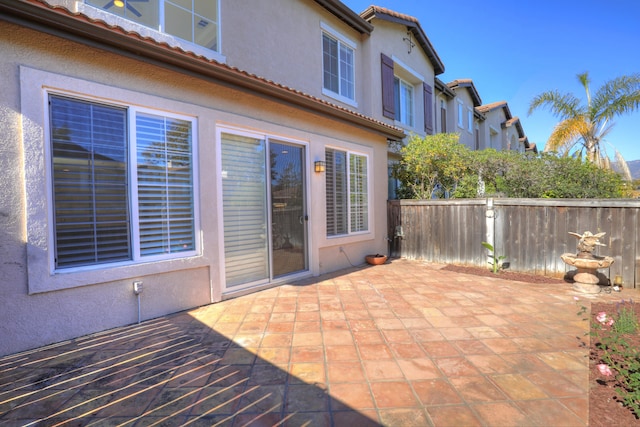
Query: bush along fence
x=530, y=234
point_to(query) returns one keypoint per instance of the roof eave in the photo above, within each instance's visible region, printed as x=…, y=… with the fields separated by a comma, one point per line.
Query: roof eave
x=347, y=15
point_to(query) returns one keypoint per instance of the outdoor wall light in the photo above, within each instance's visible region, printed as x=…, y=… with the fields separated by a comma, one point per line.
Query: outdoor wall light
x=319, y=166
x=118, y=3
x=617, y=280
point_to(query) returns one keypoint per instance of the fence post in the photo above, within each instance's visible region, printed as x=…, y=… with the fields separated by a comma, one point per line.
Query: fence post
x=490, y=234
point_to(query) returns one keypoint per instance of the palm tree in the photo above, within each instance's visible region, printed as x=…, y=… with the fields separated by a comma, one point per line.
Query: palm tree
x=582, y=127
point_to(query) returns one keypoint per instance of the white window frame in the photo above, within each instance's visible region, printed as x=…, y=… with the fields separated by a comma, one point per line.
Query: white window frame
x=154, y=33
x=36, y=86
x=412, y=78
x=367, y=158
x=460, y=115
x=346, y=43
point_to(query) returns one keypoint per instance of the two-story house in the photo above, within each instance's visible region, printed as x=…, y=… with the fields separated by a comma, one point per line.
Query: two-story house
x=173, y=144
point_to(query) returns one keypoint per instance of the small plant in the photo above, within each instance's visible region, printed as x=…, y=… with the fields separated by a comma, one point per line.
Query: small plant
x=496, y=261
x=619, y=360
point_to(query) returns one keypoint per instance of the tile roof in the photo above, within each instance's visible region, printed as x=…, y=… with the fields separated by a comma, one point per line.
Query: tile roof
x=39, y=14
x=467, y=84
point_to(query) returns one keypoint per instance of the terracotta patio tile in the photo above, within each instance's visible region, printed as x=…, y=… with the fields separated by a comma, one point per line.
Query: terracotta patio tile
x=393, y=394
x=484, y=332
x=377, y=370
x=351, y=396
x=453, y=416
x=367, y=337
x=336, y=337
x=306, y=339
x=308, y=316
x=345, y=372
x=374, y=351
x=407, y=350
x=437, y=391
x=517, y=387
x=440, y=349
x=362, y=325
x=307, y=354
x=306, y=327
x=502, y=345
x=276, y=340
x=500, y=414
x=456, y=366
x=419, y=369
x=309, y=373
x=579, y=406
x=477, y=389
x=276, y=355
x=306, y=398
x=397, y=336
x=456, y=334
x=561, y=361
x=341, y=353
x=549, y=412
x=555, y=384
x=404, y=417
x=359, y=418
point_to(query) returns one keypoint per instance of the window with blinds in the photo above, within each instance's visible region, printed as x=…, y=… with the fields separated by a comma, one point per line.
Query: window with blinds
x=97, y=217
x=338, y=67
x=346, y=192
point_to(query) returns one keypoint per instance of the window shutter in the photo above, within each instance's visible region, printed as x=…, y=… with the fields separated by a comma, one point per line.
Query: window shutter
x=388, y=100
x=165, y=185
x=336, y=192
x=428, y=109
x=90, y=189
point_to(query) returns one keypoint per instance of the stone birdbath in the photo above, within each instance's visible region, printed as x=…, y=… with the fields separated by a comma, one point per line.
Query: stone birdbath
x=586, y=278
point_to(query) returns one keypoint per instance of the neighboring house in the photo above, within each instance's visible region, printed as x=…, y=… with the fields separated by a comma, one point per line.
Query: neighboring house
x=465, y=116
x=502, y=131
x=137, y=154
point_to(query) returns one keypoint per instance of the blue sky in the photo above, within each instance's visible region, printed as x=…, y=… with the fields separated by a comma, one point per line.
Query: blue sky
x=515, y=50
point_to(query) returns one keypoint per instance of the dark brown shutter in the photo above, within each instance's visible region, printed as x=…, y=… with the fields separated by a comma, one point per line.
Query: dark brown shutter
x=428, y=109
x=388, y=103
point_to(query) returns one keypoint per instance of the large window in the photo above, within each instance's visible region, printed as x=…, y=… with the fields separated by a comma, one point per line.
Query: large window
x=122, y=184
x=196, y=21
x=338, y=67
x=347, y=192
x=403, y=93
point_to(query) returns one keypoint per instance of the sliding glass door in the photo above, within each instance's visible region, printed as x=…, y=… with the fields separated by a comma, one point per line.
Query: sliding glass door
x=264, y=210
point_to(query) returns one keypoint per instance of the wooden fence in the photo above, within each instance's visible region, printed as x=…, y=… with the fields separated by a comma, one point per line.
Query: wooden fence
x=530, y=233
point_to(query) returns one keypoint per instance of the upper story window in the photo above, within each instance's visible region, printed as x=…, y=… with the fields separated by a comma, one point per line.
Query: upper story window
x=347, y=192
x=122, y=184
x=338, y=69
x=460, y=114
x=403, y=93
x=470, y=120
x=196, y=21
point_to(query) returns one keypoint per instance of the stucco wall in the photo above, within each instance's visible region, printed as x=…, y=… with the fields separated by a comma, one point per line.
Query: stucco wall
x=105, y=299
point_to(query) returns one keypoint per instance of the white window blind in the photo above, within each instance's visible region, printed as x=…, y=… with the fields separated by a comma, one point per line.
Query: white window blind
x=244, y=186
x=347, y=200
x=165, y=185
x=90, y=192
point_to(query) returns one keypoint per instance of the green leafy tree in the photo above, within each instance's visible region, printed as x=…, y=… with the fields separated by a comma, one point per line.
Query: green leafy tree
x=431, y=166
x=583, y=126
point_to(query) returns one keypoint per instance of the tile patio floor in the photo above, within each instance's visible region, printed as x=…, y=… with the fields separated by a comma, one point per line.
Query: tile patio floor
x=402, y=344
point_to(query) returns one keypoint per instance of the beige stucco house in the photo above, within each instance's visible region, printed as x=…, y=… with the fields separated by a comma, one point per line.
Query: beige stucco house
x=178, y=150
x=502, y=131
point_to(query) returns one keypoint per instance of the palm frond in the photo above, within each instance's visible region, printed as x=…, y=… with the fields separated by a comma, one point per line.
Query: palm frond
x=566, y=133
x=585, y=81
x=616, y=97
x=563, y=106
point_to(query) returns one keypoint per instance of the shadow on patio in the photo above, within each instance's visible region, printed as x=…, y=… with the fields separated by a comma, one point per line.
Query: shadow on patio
x=404, y=343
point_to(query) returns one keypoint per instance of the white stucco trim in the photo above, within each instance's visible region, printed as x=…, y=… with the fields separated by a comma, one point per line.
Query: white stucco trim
x=35, y=86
